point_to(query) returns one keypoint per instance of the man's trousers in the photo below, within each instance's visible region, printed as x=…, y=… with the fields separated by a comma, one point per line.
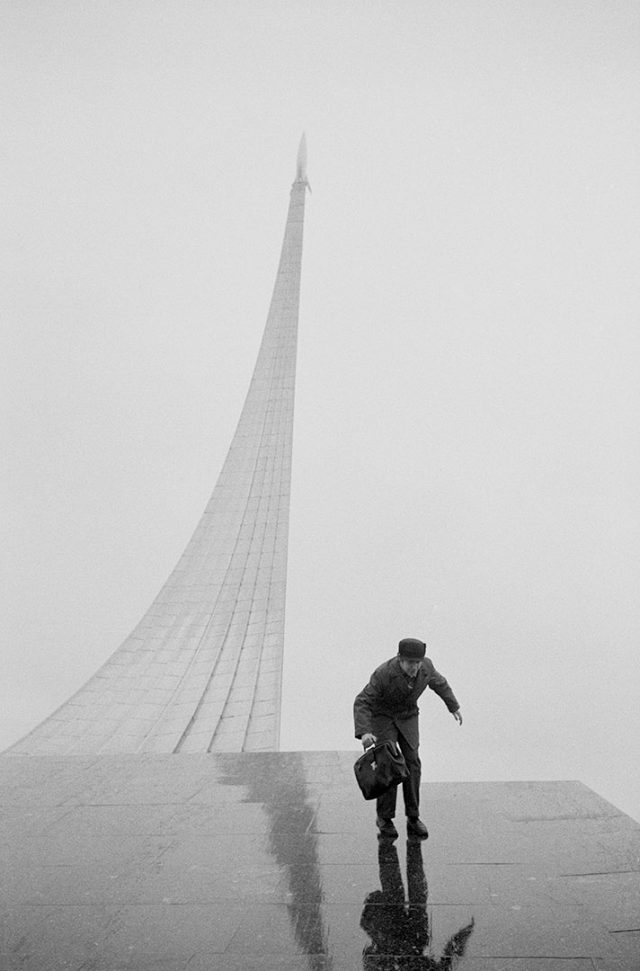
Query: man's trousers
x=386, y=803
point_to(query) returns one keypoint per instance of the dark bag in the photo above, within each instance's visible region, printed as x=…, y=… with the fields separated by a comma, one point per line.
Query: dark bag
x=381, y=767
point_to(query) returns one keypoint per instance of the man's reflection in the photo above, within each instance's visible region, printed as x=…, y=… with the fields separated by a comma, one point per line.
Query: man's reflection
x=399, y=927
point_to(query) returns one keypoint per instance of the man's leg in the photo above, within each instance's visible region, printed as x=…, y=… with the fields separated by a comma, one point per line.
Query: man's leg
x=386, y=803
x=411, y=786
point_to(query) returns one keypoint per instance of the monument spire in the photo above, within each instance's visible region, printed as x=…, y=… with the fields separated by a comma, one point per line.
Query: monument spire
x=202, y=671
x=301, y=170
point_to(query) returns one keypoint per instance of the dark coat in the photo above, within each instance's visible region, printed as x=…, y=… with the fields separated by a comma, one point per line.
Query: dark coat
x=389, y=701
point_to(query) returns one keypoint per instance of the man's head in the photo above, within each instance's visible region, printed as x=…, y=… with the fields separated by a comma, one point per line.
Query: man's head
x=410, y=653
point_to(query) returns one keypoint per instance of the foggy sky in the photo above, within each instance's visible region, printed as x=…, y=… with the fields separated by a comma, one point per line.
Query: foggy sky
x=466, y=447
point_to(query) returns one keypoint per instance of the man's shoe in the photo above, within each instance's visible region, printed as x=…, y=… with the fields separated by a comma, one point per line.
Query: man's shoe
x=386, y=827
x=415, y=827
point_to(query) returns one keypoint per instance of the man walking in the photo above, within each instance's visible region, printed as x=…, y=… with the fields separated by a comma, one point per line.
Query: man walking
x=386, y=709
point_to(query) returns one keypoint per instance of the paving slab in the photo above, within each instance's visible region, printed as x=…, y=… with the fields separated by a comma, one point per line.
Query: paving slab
x=252, y=862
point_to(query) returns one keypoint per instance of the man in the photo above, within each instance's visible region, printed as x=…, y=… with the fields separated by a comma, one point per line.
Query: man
x=386, y=708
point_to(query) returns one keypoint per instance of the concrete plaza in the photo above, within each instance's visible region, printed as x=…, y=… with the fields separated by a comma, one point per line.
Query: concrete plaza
x=270, y=860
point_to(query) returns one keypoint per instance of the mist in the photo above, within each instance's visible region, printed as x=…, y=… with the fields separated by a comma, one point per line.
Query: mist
x=466, y=448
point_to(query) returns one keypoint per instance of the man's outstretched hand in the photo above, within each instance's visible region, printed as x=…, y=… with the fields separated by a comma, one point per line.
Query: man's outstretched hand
x=458, y=716
x=368, y=740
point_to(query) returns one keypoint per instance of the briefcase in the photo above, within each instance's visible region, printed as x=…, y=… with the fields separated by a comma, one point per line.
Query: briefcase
x=381, y=767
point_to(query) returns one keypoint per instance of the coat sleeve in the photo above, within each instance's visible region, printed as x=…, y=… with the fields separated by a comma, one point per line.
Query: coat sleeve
x=439, y=684
x=365, y=704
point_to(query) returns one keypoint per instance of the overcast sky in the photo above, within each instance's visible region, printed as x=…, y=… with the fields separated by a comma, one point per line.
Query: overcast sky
x=466, y=449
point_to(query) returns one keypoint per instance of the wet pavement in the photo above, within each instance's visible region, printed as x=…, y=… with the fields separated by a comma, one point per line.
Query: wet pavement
x=265, y=861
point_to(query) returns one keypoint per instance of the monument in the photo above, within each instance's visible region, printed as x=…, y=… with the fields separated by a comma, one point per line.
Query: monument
x=202, y=671
x=116, y=854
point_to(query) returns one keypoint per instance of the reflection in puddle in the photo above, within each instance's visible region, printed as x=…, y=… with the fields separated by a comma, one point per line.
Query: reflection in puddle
x=280, y=786
x=398, y=924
